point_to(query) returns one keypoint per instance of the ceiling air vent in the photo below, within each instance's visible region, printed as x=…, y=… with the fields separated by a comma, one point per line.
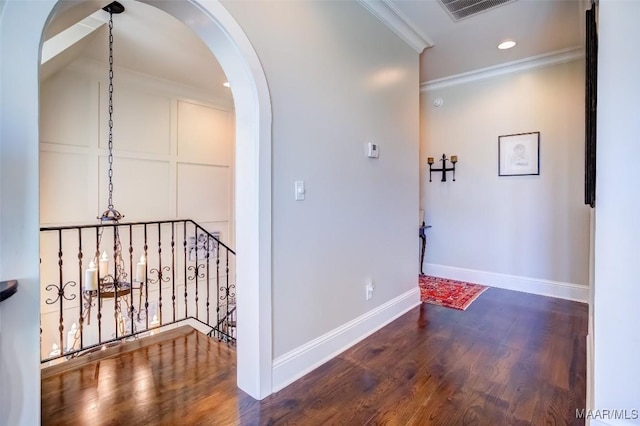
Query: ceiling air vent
x=460, y=9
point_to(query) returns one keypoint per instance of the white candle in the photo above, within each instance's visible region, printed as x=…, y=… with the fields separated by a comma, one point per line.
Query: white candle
x=55, y=353
x=55, y=350
x=72, y=336
x=91, y=277
x=104, y=265
x=155, y=322
x=121, y=328
x=141, y=269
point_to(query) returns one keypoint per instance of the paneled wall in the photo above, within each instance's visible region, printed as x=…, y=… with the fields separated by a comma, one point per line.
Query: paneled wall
x=173, y=154
x=172, y=159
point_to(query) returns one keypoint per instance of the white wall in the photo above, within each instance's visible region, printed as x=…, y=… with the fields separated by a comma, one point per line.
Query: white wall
x=19, y=337
x=338, y=79
x=528, y=233
x=616, y=314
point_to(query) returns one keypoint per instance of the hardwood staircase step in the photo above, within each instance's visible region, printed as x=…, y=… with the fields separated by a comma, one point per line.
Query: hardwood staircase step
x=124, y=347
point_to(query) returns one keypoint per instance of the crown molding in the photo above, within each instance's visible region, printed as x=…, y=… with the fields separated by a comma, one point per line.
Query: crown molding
x=552, y=58
x=398, y=22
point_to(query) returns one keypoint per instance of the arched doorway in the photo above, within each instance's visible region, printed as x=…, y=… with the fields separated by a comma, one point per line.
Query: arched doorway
x=20, y=35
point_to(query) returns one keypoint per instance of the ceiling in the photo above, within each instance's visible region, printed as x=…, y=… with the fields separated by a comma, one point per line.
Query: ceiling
x=145, y=39
x=538, y=26
x=150, y=41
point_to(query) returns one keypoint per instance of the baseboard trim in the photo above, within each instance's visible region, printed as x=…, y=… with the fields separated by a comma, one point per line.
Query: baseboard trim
x=557, y=289
x=295, y=364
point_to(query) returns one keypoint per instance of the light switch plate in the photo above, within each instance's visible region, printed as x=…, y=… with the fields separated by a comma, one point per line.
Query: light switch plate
x=299, y=190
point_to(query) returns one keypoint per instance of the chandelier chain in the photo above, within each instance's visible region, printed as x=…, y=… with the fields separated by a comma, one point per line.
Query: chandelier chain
x=110, y=173
x=111, y=214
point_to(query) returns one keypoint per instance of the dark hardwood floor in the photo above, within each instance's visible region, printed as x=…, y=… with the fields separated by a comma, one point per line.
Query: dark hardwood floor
x=510, y=359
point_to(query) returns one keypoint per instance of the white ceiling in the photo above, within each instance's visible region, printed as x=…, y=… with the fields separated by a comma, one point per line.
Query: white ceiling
x=538, y=26
x=150, y=41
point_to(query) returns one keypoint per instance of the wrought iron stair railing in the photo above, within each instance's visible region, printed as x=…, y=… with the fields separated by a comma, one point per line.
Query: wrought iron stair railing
x=105, y=283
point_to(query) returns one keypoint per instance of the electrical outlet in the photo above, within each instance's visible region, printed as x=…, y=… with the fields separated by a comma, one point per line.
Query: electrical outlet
x=369, y=290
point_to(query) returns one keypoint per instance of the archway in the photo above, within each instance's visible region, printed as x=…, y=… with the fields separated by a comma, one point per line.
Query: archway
x=20, y=38
x=226, y=40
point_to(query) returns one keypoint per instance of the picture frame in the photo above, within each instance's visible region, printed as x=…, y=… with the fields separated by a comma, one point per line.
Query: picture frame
x=519, y=154
x=201, y=244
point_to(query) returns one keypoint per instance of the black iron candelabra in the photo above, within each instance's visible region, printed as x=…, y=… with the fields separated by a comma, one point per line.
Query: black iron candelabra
x=444, y=169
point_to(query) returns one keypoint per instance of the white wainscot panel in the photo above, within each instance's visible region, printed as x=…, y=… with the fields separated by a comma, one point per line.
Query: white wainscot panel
x=204, y=134
x=64, y=188
x=142, y=122
x=203, y=193
x=140, y=188
x=67, y=110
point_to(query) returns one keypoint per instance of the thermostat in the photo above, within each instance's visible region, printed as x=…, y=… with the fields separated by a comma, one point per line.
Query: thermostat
x=372, y=150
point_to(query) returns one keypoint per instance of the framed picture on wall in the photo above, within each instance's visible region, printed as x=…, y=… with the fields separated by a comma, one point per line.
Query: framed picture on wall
x=201, y=244
x=519, y=154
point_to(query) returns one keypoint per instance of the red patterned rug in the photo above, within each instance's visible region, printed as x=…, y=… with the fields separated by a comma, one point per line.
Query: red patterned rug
x=449, y=293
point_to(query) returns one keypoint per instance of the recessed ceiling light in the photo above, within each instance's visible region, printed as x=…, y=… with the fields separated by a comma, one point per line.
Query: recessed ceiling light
x=226, y=84
x=508, y=44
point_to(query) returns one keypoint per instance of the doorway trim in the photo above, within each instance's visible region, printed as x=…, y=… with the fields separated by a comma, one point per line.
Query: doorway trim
x=231, y=47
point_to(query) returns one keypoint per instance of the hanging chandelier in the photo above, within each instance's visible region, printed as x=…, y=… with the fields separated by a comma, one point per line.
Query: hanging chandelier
x=119, y=279
x=103, y=279
x=111, y=215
